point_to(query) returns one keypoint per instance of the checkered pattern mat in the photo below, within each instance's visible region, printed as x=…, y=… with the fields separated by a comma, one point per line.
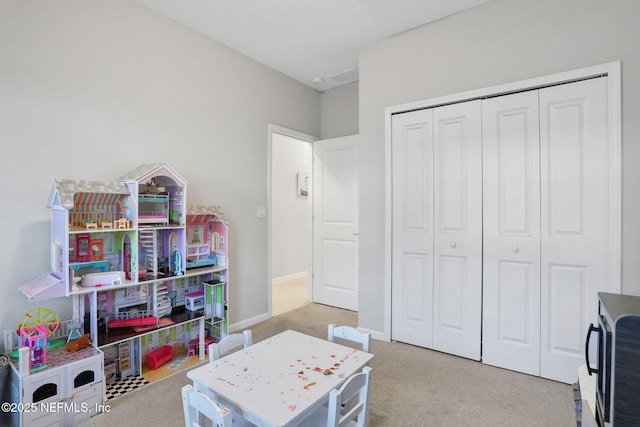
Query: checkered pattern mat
x=124, y=386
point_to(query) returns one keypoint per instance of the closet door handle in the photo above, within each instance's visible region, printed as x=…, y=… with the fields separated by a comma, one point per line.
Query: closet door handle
x=516, y=249
x=452, y=244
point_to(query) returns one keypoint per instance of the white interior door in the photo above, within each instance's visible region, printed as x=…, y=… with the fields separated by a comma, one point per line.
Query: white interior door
x=335, y=222
x=575, y=194
x=457, y=261
x=412, y=228
x=511, y=228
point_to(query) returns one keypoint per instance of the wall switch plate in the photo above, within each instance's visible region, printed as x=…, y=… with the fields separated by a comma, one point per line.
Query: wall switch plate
x=261, y=211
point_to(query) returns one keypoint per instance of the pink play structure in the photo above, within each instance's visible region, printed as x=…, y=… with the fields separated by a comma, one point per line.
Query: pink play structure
x=35, y=339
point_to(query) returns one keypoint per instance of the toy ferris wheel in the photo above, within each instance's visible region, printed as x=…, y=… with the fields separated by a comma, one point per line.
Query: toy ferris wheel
x=40, y=317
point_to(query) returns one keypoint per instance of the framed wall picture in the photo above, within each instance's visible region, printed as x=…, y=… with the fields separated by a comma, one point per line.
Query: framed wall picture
x=82, y=248
x=303, y=184
x=97, y=250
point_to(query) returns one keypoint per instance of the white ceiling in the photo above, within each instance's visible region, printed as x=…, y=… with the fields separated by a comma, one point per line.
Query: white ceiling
x=313, y=41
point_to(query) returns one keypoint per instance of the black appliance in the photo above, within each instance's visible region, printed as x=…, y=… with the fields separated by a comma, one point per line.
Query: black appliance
x=618, y=369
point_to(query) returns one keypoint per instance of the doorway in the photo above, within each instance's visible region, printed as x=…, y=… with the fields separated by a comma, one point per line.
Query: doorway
x=290, y=214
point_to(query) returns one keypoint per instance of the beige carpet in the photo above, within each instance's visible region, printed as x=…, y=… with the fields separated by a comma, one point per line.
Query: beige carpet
x=410, y=386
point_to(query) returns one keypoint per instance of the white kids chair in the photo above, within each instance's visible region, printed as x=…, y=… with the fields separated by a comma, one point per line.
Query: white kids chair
x=229, y=343
x=350, y=334
x=198, y=406
x=348, y=405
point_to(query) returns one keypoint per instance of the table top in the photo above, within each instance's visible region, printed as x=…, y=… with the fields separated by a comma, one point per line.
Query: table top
x=281, y=380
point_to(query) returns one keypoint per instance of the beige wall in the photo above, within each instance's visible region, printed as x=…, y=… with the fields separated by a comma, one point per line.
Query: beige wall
x=499, y=42
x=90, y=89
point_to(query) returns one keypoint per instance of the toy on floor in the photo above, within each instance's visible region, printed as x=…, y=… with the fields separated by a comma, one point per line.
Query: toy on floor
x=33, y=331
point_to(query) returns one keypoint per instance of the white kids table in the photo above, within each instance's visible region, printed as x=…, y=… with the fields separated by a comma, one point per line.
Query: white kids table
x=279, y=381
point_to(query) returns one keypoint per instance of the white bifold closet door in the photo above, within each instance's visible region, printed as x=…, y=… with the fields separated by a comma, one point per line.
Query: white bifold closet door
x=575, y=220
x=511, y=283
x=546, y=223
x=437, y=228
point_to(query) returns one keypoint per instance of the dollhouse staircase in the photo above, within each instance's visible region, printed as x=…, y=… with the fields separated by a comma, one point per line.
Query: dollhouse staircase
x=149, y=241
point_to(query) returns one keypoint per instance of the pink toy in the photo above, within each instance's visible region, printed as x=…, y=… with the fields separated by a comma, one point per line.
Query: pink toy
x=33, y=330
x=159, y=356
x=36, y=340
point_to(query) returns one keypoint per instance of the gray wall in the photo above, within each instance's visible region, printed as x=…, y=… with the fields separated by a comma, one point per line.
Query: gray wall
x=91, y=89
x=498, y=42
x=339, y=111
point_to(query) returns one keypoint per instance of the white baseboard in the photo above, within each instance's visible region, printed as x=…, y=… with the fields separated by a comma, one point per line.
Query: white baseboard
x=248, y=323
x=376, y=335
x=289, y=277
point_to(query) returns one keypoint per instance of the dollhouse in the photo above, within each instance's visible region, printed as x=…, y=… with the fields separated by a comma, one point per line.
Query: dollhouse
x=129, y=255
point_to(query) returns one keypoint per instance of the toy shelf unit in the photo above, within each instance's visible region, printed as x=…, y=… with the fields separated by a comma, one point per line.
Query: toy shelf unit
x=67, y=393
x=128, y=251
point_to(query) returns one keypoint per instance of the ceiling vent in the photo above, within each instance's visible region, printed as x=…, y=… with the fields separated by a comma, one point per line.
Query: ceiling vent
x=346, y=76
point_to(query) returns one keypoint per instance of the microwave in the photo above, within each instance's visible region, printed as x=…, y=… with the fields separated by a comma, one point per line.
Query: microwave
x=618, y=365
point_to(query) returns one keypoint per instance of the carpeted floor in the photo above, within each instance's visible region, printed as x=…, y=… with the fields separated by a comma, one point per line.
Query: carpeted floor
x=411, y=386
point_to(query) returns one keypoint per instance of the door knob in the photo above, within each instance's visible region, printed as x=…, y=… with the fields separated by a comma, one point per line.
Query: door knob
x=516, y=249
x=452, y=244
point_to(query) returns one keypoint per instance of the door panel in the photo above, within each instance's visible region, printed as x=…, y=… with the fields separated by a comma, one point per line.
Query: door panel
x=574, y=148
x=511, y=264
x=412, y=247
x=335, y=222
x=458, y=229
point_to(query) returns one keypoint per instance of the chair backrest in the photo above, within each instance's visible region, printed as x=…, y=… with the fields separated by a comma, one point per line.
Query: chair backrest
x=229, y=343
x=350, y=334
x=197, y=406
x=350, y=402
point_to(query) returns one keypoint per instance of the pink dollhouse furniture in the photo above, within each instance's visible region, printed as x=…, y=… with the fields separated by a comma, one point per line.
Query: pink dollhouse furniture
x=129, y=323
x=159, y=356
x=194, y=345
x=132, y=319
x=35, y=339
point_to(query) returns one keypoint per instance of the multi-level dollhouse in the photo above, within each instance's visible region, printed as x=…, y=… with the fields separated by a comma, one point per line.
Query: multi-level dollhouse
x=143, y=273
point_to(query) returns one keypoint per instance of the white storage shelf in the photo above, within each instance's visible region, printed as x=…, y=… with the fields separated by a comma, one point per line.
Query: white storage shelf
x=71, y=387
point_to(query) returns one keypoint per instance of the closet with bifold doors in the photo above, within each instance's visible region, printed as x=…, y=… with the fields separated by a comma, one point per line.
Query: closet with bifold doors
x=502, y=225
x=437, y=228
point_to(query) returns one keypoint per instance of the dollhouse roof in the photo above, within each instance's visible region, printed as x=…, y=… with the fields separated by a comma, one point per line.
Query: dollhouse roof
x=197, y=214
x=151, y=170
x=63, y=191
